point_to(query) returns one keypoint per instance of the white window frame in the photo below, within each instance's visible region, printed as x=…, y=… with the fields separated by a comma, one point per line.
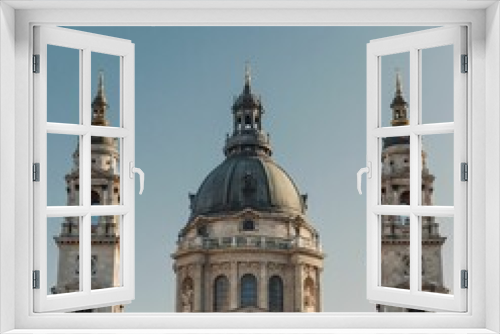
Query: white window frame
x=86, y=44
x=412, y=44
x=483, y=21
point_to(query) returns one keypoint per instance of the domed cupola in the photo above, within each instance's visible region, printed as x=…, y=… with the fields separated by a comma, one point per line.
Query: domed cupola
x=248, y=177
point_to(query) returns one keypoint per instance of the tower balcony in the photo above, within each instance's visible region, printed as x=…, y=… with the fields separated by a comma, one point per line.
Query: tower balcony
x=249, y=242
x=247, y=138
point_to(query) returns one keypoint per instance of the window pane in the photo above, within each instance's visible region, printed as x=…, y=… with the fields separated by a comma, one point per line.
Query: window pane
x=105, y=162
x=63, y=255
x=437, y=254
x=63, y=85
x=248, y=293
x=63, y=170
x=437, y=84
x=221, y=294
x=437, y=169
x=105, y=89
x=395, y=171
x=105, y=252
x=395, y=252
x=275, y=294
x=395, y=89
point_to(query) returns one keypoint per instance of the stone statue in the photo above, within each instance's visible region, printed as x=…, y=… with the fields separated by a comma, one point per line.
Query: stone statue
x=309, y=297
x=187, y=299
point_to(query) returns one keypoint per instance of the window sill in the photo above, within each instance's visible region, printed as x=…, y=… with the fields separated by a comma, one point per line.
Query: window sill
x=252, y=331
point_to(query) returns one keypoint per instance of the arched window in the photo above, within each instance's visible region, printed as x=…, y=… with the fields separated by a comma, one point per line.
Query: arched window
x=248, y=291
x=221, y=294
x=275, y=294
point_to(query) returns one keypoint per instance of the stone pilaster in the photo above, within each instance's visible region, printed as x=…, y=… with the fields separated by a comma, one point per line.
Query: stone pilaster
x=263, y=282
x=319, y=296
x=298, y=287
x=178, y=291
x=197, y=276
x=233, y=286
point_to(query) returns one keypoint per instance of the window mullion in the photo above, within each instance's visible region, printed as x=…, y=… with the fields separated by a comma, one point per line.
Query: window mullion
x=415, y=172
x=85, y=171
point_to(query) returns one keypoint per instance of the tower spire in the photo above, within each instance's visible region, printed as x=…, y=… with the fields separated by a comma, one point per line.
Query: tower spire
x=100, y=85
x=399, y=91
x=248, y=77
x=399, y=105
x=100, y=103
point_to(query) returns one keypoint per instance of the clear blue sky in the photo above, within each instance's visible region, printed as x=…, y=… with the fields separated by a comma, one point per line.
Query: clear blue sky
x=313, y=85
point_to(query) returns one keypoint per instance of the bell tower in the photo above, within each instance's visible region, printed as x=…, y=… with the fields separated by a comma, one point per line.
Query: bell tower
x=395, y=190
x=105, y=230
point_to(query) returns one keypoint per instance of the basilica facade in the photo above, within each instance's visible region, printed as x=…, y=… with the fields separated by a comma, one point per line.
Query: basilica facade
x=248, y=245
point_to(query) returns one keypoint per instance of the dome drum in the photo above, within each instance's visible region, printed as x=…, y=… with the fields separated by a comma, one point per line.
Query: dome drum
x=250, y=139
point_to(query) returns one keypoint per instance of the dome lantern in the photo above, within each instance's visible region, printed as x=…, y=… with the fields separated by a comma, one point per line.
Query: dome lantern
x=248, y=135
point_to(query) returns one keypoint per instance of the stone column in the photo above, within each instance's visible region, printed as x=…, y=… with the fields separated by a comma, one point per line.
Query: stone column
x=263, y=281
x=233, y=286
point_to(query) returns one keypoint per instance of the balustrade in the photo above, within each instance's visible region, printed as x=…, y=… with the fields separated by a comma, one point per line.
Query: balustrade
x=245, y=241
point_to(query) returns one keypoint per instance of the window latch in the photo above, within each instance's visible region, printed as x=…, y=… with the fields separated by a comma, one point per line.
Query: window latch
x=368, y=171
x=139, y=171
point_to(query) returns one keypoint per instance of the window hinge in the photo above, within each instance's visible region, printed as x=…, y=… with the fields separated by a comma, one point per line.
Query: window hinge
x=465, y=64
x=36, y=172
x=465, y=279
x=464, y=172
x=36, y=279
x=36, y=63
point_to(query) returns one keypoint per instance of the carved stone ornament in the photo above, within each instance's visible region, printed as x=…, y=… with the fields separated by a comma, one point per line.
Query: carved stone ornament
x=273, y=266
x=309, y=270
x=249, y=266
